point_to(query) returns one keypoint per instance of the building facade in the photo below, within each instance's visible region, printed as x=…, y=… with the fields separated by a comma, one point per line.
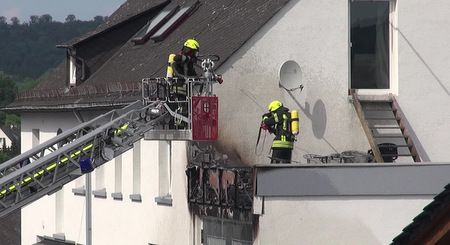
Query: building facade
x=374, y=49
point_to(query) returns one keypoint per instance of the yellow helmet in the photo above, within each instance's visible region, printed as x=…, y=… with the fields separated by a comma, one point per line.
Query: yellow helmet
x=274, y=105
x=192, y=44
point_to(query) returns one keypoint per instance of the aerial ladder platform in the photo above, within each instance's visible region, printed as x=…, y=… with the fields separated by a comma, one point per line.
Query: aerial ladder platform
x=46, y=168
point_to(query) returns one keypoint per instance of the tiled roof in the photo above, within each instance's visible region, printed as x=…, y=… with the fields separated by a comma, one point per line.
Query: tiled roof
x=13, y=133
x=422, y=223
x=221, y=27
x=126, y=12
x=10, y=228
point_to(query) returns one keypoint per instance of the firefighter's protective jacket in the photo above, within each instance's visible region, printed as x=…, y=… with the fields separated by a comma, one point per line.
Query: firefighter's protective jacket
x=184, y=64
x=279, y=123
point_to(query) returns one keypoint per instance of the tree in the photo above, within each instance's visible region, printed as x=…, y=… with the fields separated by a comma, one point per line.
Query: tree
x=2, y=20
x=12, y=119
x=15, y=147
x=46, y=18
x=7, y=90
x=28, y=50
x=15, y=21
x=34, y=19
x=70, y=18
x=100, y=19
x=3, y=157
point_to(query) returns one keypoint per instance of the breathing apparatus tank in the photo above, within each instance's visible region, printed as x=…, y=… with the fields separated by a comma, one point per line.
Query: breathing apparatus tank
x=294, y=122
x=169, y=66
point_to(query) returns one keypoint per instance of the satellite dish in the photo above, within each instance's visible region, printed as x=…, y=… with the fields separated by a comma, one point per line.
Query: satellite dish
x=290, y=76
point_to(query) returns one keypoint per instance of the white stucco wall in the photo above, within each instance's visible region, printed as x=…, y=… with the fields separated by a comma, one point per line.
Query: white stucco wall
x=38, y=218
x=336, y=220
x=113, y=221
x=315, y=35
x=424, y=77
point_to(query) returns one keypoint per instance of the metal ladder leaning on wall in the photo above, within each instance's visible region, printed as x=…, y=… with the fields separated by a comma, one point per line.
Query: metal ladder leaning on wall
x=385, y=128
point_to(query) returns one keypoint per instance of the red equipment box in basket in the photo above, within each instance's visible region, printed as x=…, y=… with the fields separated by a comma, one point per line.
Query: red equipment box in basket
x=205, y=118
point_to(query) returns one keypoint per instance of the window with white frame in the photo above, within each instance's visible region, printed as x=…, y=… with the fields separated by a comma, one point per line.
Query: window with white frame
x=373, y=45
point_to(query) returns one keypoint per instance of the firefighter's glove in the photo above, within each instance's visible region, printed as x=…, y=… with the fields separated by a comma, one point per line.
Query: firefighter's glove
x=219, y=79
x=264, y=126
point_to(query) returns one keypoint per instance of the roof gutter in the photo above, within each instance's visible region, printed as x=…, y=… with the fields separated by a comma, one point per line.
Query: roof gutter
x=67, y=107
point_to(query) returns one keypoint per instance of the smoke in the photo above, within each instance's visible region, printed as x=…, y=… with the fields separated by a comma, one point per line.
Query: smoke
x=233, y=153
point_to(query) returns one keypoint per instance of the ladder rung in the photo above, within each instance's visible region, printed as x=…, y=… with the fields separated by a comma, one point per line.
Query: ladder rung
x=389, y=136
x=398, y=146
x=381, y=109
x=381, y=118
x=371, y=111
x=398, y=155
x=387, y=127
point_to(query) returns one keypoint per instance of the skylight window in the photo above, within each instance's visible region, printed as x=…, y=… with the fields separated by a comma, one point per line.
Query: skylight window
x=152, y=26
x=174, y=22
x=164, y=23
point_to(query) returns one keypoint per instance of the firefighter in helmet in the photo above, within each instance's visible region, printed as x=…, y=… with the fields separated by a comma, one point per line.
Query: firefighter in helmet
x=183, y=66
x=185, y=59
x=278, y=122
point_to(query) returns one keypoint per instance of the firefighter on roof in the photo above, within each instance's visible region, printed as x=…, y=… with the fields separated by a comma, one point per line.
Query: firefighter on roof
x=279, y=122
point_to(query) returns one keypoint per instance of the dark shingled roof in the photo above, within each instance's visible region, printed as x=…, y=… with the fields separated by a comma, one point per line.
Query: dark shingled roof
x=126, y=12
x=423, y=223
x=10, y=228
x=221, y=27
x=13, y=133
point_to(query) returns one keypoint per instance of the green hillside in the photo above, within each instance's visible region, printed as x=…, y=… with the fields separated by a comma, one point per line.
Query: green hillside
x=28, y=50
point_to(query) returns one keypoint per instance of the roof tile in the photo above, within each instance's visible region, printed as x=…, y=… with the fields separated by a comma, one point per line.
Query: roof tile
x=221, y=27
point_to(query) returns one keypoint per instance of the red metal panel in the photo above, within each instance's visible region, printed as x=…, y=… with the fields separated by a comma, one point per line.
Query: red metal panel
x=205, y=118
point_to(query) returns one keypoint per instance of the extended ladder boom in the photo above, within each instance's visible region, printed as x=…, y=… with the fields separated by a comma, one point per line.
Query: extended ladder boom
x=47, y=167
